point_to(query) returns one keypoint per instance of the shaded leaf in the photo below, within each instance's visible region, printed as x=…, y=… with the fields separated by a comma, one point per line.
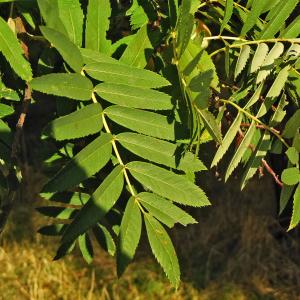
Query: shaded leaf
x=12, y=51
x=83, y=165
x=68, y=50
x=102, y=200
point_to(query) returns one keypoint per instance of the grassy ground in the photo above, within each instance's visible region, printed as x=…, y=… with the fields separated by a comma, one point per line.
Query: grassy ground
x=237, y=251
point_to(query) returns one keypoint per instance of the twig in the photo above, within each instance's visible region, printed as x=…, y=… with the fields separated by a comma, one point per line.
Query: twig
x=264, y=162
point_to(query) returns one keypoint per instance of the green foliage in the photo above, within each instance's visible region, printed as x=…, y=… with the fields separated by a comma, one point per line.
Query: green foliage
x=126, y=150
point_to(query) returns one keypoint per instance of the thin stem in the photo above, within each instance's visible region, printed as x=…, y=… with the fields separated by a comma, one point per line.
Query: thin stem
x=266, y=127
x=107, y=129
x=245, y=42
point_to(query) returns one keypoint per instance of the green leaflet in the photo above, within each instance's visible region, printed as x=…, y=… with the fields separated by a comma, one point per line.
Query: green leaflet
x=293, y=30
x=97, y=25
x=83, y=122
x=255, y=96
x=292, y=125
x=184, y=27
x=138, y=16
x=68, y=50
x=138, y=50
x=163, y=249
x=101, y=202
x=255, y=160
x=229, y=137
x=274, y=91
x=125, y=95
x=276, y=23
x=72, y=86
x=194, y=61
x=50, y=13
x=86, y=248
x=159, y=151
x=267, y=65
x=167, y=184
x=129, y=236
x=71, y=15
x=227, y=15
x=123, y=74
x=201, y=85
x=242, y=60
x=12, y=51
x=61, y=213
x=104, y=239
x=92, y=56
x=293, y=155
x=78, y=199
x=5, y=110
x=296, y=209
x=290, y=176
x=285, y=196
x=256, y=10
x=83, y=165
x=164, y=210
x=211, y=124
x=259, y=57
x=145, y=122
x=241, y=150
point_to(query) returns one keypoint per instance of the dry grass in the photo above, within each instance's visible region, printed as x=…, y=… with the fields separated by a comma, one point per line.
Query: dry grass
x=232, y=254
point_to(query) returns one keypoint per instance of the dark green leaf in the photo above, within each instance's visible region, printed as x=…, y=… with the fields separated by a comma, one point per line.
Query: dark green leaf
x=102, y=200
x=12, y=51
x=68, y=50
x=83, y=165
